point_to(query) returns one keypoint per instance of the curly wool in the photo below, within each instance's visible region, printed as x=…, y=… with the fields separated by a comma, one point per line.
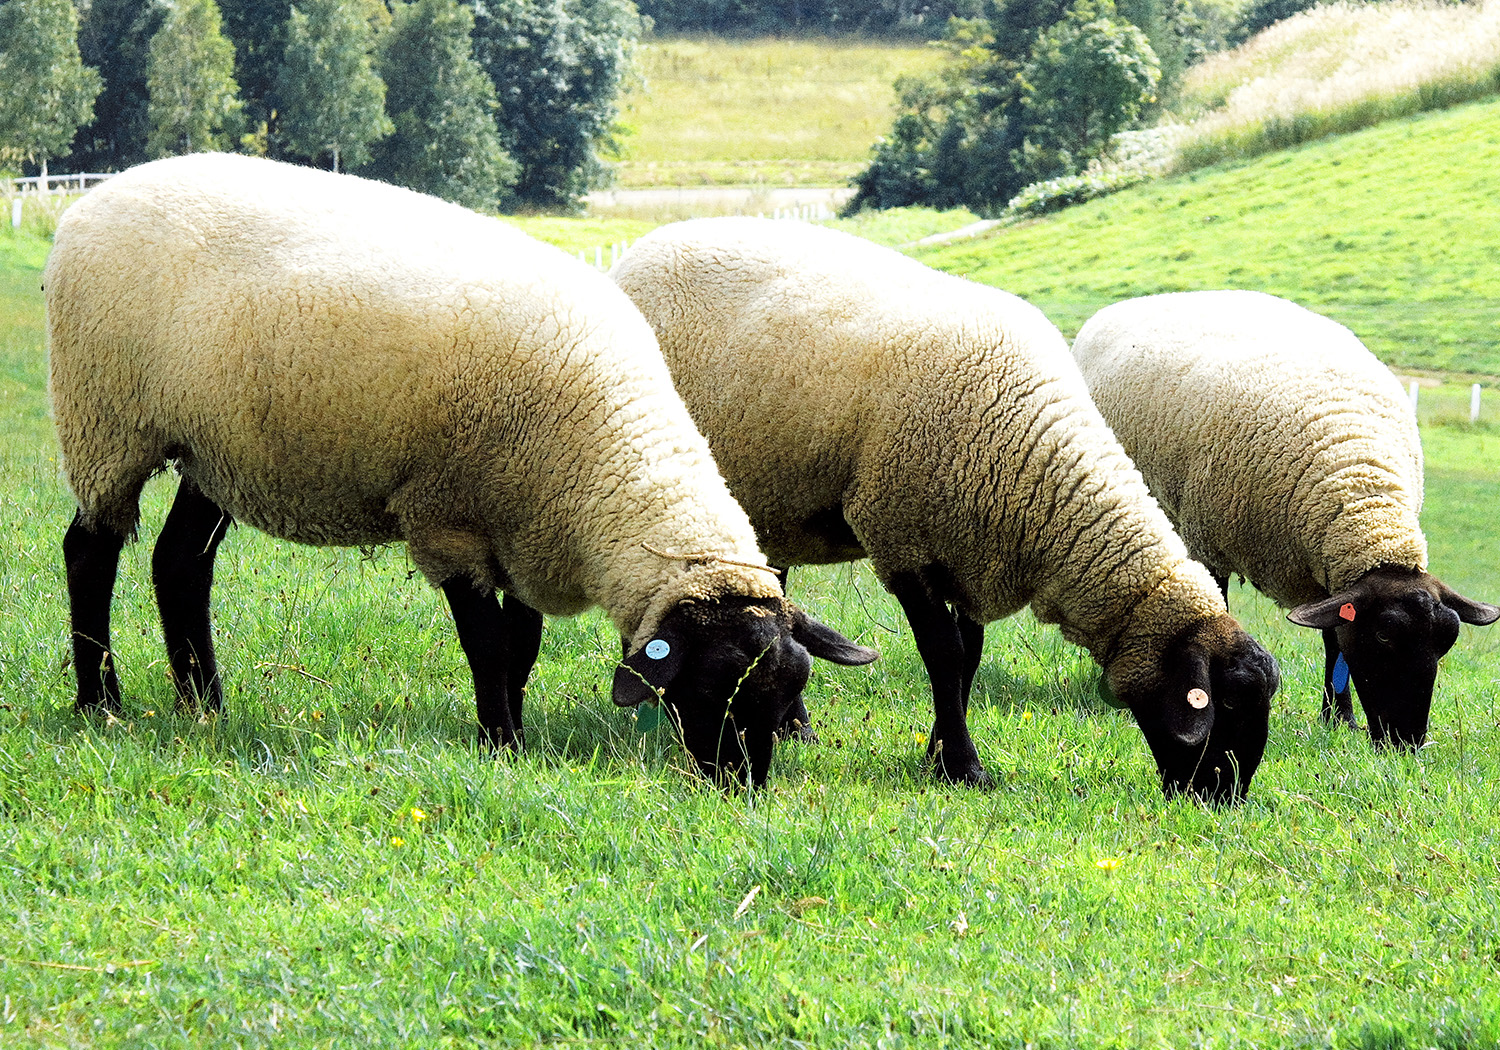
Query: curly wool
x=1279, y=446
x=942, y=419
x=340, y=361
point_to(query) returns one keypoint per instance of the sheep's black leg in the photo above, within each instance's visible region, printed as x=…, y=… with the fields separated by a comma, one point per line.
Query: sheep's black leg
x=92, y=558
x=971, y=635
x=1340, y=704
x=483, y=636
x=797, y=725
x=182, y=570
x=1223, y=582
x=941, y=645
x=523, y=629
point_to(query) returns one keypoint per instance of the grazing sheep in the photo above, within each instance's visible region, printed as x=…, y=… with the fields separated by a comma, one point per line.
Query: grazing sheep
x=860, y=403
x=1285, y=452
x=341, y=362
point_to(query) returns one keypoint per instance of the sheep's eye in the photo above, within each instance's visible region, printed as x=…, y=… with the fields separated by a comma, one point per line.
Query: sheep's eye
x=1382, y=638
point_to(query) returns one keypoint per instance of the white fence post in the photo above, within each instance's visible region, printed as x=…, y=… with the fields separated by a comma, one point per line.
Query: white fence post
x=15, y=213
x=1474, y=403
x=1411, y=392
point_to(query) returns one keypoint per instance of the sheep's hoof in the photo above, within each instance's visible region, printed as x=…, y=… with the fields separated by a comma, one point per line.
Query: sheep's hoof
x=965, y=774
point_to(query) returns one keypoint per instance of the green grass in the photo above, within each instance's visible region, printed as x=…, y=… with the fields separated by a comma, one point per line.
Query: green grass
x=1391, y=231
x=330, y=862
x=749, y=112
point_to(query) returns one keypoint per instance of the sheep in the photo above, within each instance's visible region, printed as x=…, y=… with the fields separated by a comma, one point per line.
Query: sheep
x=1284, y=452
x=862, y=404
x=337, y=361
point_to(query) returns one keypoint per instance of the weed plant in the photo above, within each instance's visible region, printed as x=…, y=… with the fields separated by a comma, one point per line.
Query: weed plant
x=330, y=862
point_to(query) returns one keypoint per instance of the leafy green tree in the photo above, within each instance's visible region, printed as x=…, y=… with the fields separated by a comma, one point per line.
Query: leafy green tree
x=48, y=91
x=981, y=129
x=333, y=101
x=442, y=107
x=557, y=66
x=193, y=99
x=1088, y=77
x=257, y=28
x=114, y=36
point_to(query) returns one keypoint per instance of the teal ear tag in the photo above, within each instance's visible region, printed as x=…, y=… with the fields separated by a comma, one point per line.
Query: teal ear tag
x=648, y=717
x=1107, y=694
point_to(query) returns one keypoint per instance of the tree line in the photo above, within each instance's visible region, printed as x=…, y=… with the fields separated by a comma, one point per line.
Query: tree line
x=499, y=104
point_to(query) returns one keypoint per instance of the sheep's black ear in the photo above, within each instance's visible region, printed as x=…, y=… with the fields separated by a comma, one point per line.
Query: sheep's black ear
x=1469, y=611
x=643, y=678
x=1329, y=612
x=1187, y=707
x=823, y=641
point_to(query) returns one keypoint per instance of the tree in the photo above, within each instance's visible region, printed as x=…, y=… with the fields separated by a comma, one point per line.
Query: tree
x=194, y=101
x=333, y=100
x=1034, y=91
x=114, y=37
x=1088, y=77
x=442, y=107
x=48, y=92
x=557, y=66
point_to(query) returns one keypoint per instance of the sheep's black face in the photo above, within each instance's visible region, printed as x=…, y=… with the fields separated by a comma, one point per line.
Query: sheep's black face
x=728, y=672
x=1393, y=625
x=1206, y=723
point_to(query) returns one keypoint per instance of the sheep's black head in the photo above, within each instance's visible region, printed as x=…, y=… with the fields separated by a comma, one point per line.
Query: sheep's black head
x=728, y=671
x=1392, y=626
x=1205, y=717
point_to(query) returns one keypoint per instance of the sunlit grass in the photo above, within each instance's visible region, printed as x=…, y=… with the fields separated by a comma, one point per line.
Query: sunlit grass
x=751, y=112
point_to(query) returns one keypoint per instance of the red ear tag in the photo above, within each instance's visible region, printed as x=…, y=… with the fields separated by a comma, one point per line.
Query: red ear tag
x=1346, y=612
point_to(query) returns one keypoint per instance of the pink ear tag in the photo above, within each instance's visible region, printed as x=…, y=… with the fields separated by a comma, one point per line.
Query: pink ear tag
x=1198, y=699
x=1346, y=612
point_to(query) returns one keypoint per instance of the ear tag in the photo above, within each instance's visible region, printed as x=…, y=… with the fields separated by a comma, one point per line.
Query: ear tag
x=1346, y=612
x=1197, y=699
x=1340, y=674
x=657, y=649
x=648, y=718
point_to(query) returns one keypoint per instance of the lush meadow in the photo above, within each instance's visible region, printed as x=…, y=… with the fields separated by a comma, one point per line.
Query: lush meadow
x=331, y=862
x=749, y=112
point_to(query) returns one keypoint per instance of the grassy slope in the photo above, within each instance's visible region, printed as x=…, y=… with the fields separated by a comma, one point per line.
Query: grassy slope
x=331, y=863
x=779, y=112
x=1392, y=231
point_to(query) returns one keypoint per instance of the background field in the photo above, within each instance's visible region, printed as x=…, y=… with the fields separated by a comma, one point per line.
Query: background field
x=773, y=112
x=331, y=863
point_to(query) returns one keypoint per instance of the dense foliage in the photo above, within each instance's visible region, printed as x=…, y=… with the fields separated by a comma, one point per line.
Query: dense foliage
x=193, y=102
x=48, y=91
x=442, y=108
x=919, y=18
x=307, y=81
x=1034, y=92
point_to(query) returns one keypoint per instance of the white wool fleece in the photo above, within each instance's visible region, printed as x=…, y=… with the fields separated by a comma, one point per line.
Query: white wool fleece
x=339, y=361
x=1280, y=447
x=943, y=419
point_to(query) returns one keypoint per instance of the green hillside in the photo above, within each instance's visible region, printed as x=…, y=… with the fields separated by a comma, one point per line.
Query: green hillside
x=1394, y=231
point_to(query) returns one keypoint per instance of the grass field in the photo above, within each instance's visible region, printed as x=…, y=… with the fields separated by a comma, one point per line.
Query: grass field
x=751, y=112
x=1391, y=231
x=330, y=862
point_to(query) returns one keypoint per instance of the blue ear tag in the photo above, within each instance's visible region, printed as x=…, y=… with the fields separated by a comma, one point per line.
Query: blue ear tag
x=1340, y=674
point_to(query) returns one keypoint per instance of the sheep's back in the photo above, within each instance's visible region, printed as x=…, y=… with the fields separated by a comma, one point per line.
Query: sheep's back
x=1279, y=446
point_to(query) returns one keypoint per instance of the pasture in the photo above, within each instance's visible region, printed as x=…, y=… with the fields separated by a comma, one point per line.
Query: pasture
x=331, y=862
x=751, y=112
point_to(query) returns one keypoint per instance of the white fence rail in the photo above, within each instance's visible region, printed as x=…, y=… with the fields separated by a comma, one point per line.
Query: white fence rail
x=58, y=183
